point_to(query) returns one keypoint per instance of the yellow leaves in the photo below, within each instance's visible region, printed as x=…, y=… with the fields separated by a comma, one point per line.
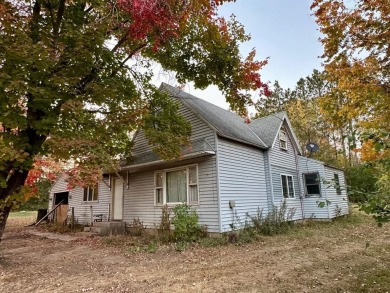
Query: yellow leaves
x=369, y=152
x=356, y=58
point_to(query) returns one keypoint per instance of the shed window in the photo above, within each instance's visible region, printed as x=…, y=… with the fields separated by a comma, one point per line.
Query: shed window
x=91, y=193
x=312, y=184
x=287, y=186
x=283, y=139
x=177, y=186
x=337, y=183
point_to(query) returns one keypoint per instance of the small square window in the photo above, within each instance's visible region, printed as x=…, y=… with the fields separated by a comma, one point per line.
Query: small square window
x=312, y=184
x=91, y=193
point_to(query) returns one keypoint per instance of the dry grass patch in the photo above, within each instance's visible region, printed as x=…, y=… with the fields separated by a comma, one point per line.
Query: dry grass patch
x=347, y=255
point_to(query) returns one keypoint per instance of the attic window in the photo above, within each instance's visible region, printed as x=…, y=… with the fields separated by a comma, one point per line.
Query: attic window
x=283, y=139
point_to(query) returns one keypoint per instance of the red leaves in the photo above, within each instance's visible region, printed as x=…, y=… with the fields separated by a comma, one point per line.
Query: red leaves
x=156, y=19
x=43, y=169
x=82, y=176
x=250, y=76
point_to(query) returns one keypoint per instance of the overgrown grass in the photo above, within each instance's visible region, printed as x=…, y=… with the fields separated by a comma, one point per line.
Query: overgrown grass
x=312, y=227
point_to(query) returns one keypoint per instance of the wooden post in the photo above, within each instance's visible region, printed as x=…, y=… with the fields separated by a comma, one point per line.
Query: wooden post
x=91, y=215
x=37, y=223
x=72, y=220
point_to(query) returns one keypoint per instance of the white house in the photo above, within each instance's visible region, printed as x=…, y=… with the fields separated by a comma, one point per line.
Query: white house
x=232, y=168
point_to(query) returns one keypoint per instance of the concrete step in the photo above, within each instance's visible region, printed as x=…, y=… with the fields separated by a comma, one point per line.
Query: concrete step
x=109, y=224
x=105, y=231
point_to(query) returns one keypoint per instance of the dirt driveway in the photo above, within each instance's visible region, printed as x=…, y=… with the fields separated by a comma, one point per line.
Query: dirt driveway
x=333, y=257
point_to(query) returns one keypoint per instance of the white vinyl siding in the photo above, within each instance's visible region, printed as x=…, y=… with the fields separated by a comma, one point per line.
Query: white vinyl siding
x=335, y=204
x=242, y=180
x=139, y=199
x=84, y=211
x=312, y=204
x=199, y=130
x=59, y=186
x=339, y=202
x=285, y=162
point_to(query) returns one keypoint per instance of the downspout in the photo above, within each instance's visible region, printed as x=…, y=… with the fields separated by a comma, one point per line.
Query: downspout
x=270, y=178
x=299, y=183
x=218, y=183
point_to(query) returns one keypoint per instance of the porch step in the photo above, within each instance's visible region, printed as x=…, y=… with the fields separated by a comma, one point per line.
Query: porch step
x=107, y=228
x=109, y=224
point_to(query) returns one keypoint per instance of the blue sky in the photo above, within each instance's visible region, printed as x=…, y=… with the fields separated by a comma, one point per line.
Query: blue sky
x=283, y=30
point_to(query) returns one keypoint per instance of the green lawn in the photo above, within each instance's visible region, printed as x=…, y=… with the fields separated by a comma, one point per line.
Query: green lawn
x=23, y=214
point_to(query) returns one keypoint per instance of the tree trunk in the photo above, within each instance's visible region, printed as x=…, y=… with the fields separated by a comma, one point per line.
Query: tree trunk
x=4, y=212
x=14, y=183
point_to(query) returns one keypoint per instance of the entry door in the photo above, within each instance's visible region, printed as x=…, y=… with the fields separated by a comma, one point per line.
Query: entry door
x=117, y=199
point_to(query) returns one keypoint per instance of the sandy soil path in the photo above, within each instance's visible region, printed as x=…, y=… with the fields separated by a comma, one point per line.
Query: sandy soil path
x=328, y=260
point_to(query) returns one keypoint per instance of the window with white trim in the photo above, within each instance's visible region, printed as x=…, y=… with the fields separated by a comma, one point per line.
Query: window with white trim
x=283, y=139
x=287, y=186
x=159, y=187
x=91, y=193
x=176, y=186
x=312, y=184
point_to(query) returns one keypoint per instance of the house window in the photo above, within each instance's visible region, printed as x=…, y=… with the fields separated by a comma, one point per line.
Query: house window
x=177, y=186
x=283, y=139
x=91, y=193
x=287, y=186
x=193, y=185
x=337, y=183
x=159, y=187
x=312, y=184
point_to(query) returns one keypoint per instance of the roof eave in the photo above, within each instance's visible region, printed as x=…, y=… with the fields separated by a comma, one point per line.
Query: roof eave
x=242, y=141
x=159, y=162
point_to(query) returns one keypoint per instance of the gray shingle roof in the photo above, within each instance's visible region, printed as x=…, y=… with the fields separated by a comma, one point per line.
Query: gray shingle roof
x=225, y=123
x=267, y=127
x=199, y=146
